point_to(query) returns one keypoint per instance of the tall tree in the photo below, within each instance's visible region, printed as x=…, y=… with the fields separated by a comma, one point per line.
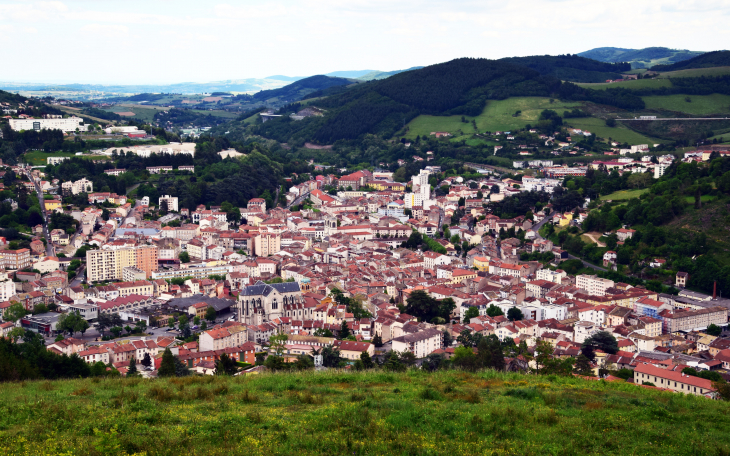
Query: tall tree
x=167, y=365
x=132, y=369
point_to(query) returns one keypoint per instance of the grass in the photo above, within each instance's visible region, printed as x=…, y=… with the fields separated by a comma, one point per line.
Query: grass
x=414, y=413
x=696, y=72
x=147, y=113
x=496, y=116
x=633, y=84
x=619, y=133
x=701, y=105
x=622, y=195
x=38, y=158
x=703, y=198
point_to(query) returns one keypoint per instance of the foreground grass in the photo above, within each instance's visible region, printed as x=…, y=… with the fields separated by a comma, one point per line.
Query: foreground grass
x=374, y=413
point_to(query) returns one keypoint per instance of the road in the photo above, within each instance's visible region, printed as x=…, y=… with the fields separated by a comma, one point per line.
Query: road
x=587, y=264
x=49, y=247
x=297, y=200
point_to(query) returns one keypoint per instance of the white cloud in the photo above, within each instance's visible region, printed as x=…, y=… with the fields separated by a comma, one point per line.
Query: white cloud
x=106, y=30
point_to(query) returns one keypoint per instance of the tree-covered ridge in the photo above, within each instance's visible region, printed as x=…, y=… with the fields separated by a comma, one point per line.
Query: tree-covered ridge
x=460, y=87
x=301, y=88
x=708, y=60
x=572, y=67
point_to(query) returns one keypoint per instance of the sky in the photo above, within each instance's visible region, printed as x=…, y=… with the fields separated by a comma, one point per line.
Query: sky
x=169, y=41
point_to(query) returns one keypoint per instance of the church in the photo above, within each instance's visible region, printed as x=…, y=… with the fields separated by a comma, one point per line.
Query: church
x=262, y=302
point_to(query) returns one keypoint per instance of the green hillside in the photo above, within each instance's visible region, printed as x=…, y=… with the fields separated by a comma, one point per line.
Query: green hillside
x=640, y=58
x=696, y=105
x=572, y=67
x=620, y=132
x=377, y=413
x=300, y=89
x=708, y=60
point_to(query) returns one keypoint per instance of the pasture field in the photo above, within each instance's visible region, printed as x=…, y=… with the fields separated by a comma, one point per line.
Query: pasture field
x=496, y=116
x=619, y=133
x=371, y=413
x=39, y=158
x=632, y=84
x=700, y=105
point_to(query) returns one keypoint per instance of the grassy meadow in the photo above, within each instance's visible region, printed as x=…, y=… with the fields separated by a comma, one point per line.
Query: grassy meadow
x=496, y=116
x=632, y=84
x=618, y=133
x=373, y=413
x=622, y=195
x=39, y=158
x=700, y=105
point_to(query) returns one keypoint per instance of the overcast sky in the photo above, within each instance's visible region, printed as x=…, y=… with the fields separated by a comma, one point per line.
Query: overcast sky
x=167, y=41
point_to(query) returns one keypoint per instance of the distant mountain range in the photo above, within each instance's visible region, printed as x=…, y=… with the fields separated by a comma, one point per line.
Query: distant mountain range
x=640, y=58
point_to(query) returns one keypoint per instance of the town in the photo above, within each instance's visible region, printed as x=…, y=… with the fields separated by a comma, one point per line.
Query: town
x=351, y=272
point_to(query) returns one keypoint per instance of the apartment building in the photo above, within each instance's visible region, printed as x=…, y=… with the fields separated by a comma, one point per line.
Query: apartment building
x=82, y=185
x=68, y=124
x=16, y=259
x=693, y=319
x=672, y=380
x=221, y=338
x=594, y=285
x=421, y=343
x=103, y=265
x=267, y=244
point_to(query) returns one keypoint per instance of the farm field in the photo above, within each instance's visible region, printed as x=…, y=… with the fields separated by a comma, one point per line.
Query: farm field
x=497, y=116
x=337, y=413
x=146, y=114
x=624, y=194
x=618, y=133
x=77, y=112
x=701, y=105
x=695, y=72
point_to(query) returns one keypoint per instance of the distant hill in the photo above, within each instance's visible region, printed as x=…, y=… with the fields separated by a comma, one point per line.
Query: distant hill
x=300, y=89
x=640, y=58
x=349, y=74
x=384, y=74
x=708, y=60
x=572, y=67
x=458, y=87
x=279, y=77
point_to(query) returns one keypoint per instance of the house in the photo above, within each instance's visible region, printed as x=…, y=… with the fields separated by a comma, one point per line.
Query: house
x=681, y=279
x=352, y=351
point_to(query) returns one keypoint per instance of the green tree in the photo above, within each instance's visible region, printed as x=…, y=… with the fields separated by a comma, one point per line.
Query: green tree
x=393, y=362
x=15, y=312
x=471, y=312
x=182, y=320
x=367, y=362
x=514, y=314
x=196, y=320
x=132, y=369
x=424, y=307
x=171, y=322
x=602, y=340
x=167, y=365
x=583, y=366
x=225, y=365
x=494, y=311
x=713, y=330
x=147, y=360
x=377, y=341
x=304, y=362
x=447, y=339
x=210, y=314
x=184, y=257
x=344, y=330
x=277, y=343
x=323, y=332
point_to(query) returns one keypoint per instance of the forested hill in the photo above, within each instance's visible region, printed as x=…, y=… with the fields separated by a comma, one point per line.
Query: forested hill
x=301, y=88
x=458, y=87
x=572, y=67
x=708, y=60
x=7, y=97
x=640, y=58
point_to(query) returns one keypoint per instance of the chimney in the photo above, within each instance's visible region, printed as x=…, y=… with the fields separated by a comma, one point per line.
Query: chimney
x=714, y=290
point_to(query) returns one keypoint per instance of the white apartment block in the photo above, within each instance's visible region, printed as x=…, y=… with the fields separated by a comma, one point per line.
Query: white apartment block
x=421, y=344
x=170, y=203
x=68, y=124
x=551, y=276
x=56, y=160
x=594, y=285
x=82, y=185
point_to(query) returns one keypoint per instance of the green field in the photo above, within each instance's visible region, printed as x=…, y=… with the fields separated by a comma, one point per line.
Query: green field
x=696, y=72
x=374, y=413
x=38, y=158
x=701, y=105
x=146, y=114
x=217, y=113
x=618, y=133
x=622, y=195
x=497, y=116
x=633, y=84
